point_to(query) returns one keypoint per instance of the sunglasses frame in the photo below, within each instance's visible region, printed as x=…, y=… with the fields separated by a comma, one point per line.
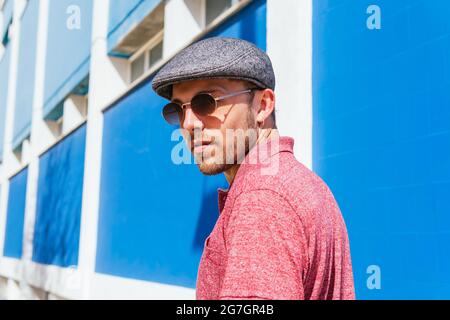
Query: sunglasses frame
x=216, y=100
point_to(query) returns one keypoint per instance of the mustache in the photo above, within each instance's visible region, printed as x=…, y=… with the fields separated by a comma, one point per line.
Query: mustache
x=199, y=138
x=199, y=142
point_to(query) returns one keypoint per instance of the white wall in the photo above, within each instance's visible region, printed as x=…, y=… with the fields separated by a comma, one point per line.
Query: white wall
x=292, y=61
x=183, y=20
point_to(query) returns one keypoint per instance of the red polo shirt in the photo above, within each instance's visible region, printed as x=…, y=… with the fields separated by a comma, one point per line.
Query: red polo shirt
x=280, y=234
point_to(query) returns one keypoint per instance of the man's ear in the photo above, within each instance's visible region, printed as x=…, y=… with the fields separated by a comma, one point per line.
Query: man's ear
x=266, y=105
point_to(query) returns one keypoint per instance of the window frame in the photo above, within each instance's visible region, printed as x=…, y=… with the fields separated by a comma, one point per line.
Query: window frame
x=224, y=13
x=145, y=52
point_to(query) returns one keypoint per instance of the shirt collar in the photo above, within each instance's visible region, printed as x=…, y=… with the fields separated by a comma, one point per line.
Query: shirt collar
x=222, y=196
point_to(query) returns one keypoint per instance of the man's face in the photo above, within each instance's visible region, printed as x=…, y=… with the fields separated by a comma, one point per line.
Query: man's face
x=213, y=139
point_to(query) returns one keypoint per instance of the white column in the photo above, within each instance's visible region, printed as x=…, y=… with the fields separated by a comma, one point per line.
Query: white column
x=106, y=81
x=289, y=44
x=33, y=170
x=183, y=20
x=29, y=273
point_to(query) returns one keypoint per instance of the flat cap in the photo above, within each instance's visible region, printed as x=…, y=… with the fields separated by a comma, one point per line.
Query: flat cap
x=216, y=58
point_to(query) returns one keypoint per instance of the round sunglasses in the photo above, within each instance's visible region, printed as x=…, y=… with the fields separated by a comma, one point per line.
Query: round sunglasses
x=202, y=104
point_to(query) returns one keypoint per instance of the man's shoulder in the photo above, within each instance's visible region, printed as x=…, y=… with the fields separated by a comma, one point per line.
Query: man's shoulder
x=292, y=182
x=281, y=175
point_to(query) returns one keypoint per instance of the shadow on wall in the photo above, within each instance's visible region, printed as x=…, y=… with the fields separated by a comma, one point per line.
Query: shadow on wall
x=208, y=216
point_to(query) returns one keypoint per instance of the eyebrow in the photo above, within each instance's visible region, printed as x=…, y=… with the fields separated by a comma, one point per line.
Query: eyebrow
x=215, y=89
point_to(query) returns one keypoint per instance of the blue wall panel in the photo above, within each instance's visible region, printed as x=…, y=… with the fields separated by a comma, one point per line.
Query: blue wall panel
x=68, y=49
x=15, y=216
x=154, y=215
x=4, y=85
x=26, y=72
x=125, y=15
x=58, y=212
x=382, y=138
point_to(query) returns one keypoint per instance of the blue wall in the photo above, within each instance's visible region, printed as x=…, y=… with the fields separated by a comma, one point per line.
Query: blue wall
x=5, y=59
x=4, y=85
x=15, y=215
x=154, y=215
x=68, y=50
x=382, y=138
x=58, y=212
x=26, y=72
x=124, y=15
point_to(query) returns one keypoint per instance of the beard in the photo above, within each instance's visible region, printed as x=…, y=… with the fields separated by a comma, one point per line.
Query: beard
x=212, y=169
x=214, y=165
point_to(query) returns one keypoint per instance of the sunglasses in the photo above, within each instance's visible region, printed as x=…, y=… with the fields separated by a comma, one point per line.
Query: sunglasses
x=202, y=104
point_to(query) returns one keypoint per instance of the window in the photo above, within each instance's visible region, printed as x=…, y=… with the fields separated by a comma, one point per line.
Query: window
x=155, y=54
x=70, y=112
x=138, y=67
x=147, y=57
x=215, y=8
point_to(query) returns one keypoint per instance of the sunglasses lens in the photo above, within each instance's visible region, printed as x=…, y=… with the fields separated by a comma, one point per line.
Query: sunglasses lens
x=172, y=113
x=203, y=104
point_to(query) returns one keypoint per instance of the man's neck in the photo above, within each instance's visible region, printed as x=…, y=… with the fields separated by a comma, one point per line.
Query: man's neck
x=266, y=134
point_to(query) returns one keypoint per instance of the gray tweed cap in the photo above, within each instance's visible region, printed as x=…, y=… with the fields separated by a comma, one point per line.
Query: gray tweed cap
x=216, y=58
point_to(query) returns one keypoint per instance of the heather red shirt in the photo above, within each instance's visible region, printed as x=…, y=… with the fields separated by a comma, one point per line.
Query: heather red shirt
x=280, y=234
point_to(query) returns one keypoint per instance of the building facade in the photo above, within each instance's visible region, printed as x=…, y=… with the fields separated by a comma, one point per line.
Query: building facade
x=92, y=205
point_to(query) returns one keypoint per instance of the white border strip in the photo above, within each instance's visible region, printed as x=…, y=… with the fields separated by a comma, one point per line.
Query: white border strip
x=64, y=282
x=10, y=268
x=116, y=288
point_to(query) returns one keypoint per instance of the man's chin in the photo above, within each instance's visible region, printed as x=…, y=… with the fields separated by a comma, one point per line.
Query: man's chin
x=212, y=169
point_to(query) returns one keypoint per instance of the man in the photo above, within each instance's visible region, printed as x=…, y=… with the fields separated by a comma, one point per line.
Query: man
x=280, y=233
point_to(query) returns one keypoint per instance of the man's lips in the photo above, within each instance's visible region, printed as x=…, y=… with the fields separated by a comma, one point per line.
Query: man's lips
x=199, y=147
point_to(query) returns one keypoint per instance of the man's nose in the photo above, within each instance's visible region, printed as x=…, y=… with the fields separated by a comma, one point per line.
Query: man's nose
x=191, y=121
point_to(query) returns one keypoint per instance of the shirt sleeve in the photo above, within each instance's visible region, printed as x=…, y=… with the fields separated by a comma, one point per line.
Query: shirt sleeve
x=264, y=243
